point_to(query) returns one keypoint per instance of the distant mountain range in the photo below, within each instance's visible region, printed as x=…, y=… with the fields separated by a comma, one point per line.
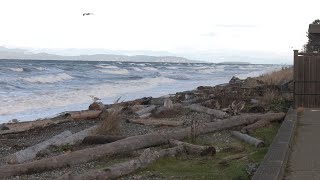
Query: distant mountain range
x=6, y=53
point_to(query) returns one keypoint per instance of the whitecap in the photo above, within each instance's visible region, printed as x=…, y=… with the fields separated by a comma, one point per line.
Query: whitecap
x=52, y=78
x=141, y=64
x=105, y=66
x=150, y=69
x=172, y=67
x=41, y=68
x=114, y=71
x=137, y=69
x=16, y=69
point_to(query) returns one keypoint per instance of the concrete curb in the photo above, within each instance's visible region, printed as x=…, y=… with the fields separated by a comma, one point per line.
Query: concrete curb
x=275, y=161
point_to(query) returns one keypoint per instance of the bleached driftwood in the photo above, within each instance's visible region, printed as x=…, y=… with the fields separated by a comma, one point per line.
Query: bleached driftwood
x=156, y=122
x=216, y=113
x=145, y=159
x=144, y=116
x=76, y=137
x=101, y=139
x=194, y=149
x=248, y=139
x=130, y=144
x=86, y=114
x=235, y=109
x=145, y=110
x=26, y=126
x=167, y=103
x=121, y=169
x=31, y=152
x=138, y=107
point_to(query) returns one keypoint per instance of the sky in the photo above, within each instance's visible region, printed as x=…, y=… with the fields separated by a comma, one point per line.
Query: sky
x=190, y=27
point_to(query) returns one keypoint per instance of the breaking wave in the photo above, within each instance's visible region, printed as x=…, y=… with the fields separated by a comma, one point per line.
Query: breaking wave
x=53, y=78
x=16, y=69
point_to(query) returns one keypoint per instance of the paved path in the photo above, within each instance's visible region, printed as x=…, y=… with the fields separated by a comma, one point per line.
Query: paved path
x=304, y=159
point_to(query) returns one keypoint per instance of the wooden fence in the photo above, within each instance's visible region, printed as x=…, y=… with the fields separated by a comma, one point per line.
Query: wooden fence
x=306, y=79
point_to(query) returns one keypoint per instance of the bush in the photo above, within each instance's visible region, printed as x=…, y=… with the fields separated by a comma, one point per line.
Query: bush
x=110, y=122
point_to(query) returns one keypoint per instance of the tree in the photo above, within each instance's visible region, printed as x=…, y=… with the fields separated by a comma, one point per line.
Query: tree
x=313, y=43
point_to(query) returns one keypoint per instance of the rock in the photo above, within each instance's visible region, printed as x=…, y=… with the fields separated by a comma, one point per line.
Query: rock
x=4, y=127
x=96, y=106
x=251, y=83
x=235, y=80
x=14, y=121
x=251, y=168
x=145, y=100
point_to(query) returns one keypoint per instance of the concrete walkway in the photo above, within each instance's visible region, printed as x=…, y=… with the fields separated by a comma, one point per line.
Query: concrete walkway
x=304, y=159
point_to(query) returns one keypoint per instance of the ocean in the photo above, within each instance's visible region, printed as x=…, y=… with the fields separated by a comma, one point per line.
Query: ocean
x=32, y=89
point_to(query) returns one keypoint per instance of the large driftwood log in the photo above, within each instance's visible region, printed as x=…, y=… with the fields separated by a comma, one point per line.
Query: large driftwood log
x=156, y=122
x=248, y=139
x=216, y=113
x=194, y=149
x=259, y=124
x=86, y=114
x=130, y=144
x=145, y=110
x=121, y=169
x=26, y=126
x=164, y=108
x=31, y=152
x=101, y=139
x=76, y=137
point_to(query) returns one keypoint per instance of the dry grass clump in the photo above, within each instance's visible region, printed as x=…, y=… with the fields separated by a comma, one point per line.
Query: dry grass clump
x=110, y=122
x=277, y=77
x=300, y=110
x=268, y=97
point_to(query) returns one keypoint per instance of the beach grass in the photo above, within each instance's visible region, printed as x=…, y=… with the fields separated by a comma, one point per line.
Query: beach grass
x=277, y=77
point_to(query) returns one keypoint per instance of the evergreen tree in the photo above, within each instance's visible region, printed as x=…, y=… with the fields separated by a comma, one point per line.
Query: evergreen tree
x=313, y=43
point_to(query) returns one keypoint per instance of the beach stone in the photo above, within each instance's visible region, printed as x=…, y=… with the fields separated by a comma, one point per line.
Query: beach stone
x=96, y=106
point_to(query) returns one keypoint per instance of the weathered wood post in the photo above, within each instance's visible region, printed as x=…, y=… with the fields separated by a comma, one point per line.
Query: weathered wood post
x=295, y=70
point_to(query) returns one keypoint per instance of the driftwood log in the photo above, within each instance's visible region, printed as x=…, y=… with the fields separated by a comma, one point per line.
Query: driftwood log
x=86, y=114
x=76, y=137
x=121, y=169
x=145, y=110
x=194, y=149
x=248, y=139
x=216, y=113
x=130, y=144
x=252, y=127
x=156, y=122
x=144, y=116
x=26, y=126
x=145, y=159
x=31, y=152
x=101, y=139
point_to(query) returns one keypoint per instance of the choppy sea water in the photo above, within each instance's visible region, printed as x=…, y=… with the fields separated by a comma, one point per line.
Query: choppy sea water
x=32, y=89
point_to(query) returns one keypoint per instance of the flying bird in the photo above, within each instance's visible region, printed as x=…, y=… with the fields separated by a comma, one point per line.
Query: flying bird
x=87, y=14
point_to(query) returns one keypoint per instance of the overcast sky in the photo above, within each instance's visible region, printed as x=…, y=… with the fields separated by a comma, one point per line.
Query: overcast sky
x=178, y=26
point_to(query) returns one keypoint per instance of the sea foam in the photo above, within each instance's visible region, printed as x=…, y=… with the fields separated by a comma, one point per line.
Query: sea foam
x=52, y=78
